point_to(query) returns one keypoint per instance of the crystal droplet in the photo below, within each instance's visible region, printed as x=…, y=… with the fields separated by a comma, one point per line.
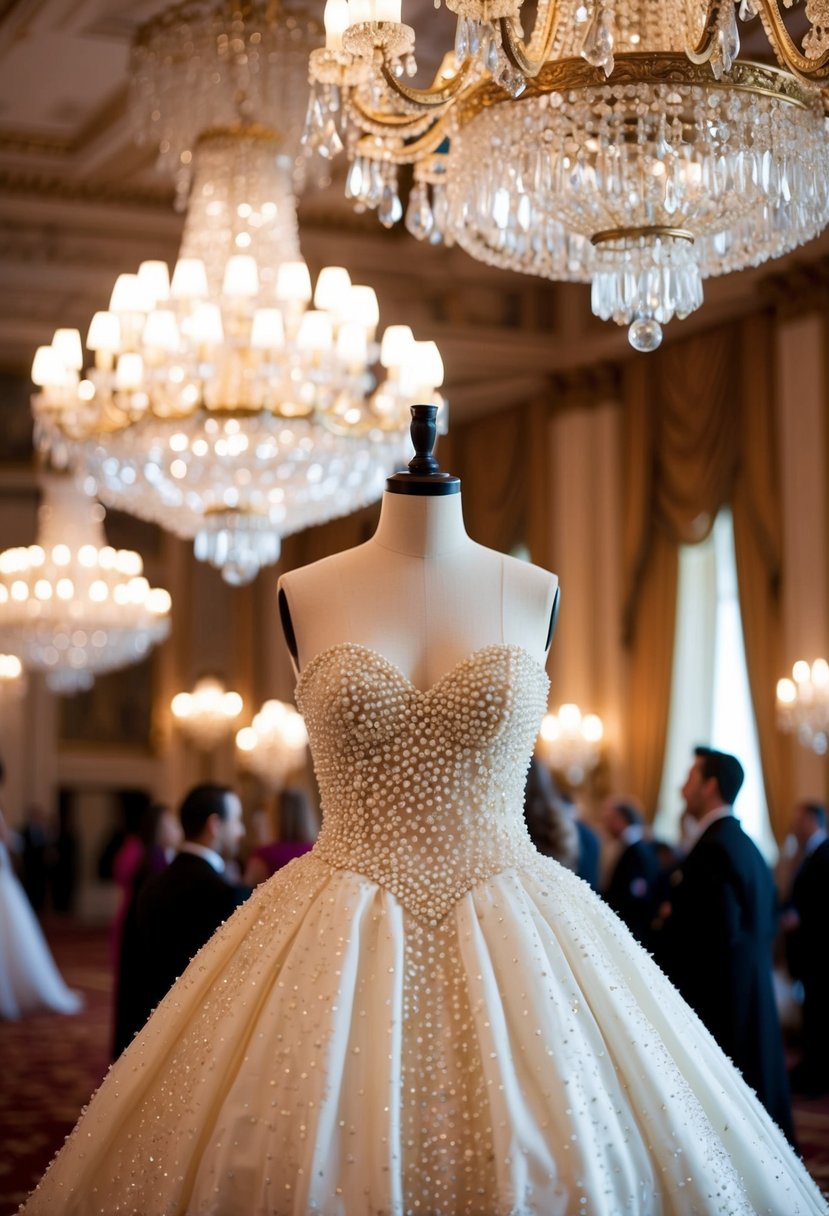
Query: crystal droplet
x=390, y=209
x=597, y=48
x=462, y=39
x=329, y=143
x=645, y=334
x=419, y=219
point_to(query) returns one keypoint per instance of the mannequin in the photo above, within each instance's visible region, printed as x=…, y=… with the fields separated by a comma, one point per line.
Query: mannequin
x=420, y=592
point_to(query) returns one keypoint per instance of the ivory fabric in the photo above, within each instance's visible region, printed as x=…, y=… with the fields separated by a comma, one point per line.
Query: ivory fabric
x=29, y=979
x=423, y=1015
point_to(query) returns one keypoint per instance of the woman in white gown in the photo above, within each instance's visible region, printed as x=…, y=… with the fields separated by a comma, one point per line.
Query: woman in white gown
x=423, y=1015
x=29, y=980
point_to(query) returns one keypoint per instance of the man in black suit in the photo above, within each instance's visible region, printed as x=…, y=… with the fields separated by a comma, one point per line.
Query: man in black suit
x=806, y=922
x=630, y=891
x=180, y=908
x=717, y=931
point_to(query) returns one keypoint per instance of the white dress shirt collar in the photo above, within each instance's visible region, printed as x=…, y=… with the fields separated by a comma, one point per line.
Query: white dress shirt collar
x=719, y=812
x=814, y=842
x=209, y=855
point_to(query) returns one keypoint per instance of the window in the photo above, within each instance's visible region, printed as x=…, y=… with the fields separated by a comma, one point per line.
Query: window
x=710, y=699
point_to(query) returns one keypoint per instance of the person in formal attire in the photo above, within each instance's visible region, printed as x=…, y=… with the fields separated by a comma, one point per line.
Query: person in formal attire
x=805, y=923
x=297, y=832
x=552, y=830
x=181, y=907
x=632, y=883
x=37, y=841
x=423, y=1013
x=161, y=836
x=715, y=934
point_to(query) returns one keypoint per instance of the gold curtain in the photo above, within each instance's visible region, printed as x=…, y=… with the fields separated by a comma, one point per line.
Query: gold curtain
x=758, y=543
x=499, y=459
x=681, y=450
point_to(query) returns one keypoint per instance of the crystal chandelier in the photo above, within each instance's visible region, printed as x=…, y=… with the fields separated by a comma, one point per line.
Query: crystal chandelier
x=568, y=742
x=207, y=714
x=71, y=605
x=803, y=704
x=274, y=744
x=623, y=143
x=232, y=403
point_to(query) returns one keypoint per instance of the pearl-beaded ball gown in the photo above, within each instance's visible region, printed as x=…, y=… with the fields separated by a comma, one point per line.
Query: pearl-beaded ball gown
x=423, y=1015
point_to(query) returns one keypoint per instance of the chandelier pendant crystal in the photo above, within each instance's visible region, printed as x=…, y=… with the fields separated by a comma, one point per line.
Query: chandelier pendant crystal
x=803, y=704
x=206, y=715
x=231, y=402
x=273, y=746
x=622, y=144
x=71, y=605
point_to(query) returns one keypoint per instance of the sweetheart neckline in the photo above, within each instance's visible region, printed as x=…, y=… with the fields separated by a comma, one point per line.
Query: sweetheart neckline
x=423, y=692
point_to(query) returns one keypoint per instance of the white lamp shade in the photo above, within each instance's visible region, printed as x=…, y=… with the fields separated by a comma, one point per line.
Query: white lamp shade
x=241, y=279
x=155, y=279
x=429, y=364
x=397, y=346
x=352, y=344
x=293, y=283
x=205, y=325
x=333, y=287
x=161, y=330
x=129, y=371
x=362, y=306
x=129, y=295
x=104, y=332
x=189, y=280
x=47, y=369
x=67, y=345
x=335, y=18
x=268, y=329
x=315, y=332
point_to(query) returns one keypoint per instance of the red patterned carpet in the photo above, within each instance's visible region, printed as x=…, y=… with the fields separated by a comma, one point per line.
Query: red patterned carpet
x=49, y=1066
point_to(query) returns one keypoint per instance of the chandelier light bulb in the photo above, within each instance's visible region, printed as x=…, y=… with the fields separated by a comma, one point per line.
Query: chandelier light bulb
x=207, y=714
x=76, y=608
x=568, y=742
x=154, y=278
x=274, y=744
x=803, y=704
x=67, y=345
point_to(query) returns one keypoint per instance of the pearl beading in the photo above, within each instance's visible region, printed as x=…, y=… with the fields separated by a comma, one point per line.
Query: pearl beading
x=422, y=791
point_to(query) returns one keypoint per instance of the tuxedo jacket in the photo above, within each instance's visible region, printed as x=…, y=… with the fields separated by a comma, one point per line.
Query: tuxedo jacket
x=588, y=864
x=630, y=892
x=178, y=910
x=810, y=898
x=716, y=947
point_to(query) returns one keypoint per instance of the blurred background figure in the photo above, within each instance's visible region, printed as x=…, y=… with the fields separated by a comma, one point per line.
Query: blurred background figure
x=160, y=835
x=805, y=922
x=29, y=980
x=552, y=830
x=632, y=887
x=293, y=834
x=715, y=934
x=180, y=908
x=37, y=855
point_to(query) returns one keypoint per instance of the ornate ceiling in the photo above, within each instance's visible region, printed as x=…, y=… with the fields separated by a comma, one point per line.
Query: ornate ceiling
x=79, y=202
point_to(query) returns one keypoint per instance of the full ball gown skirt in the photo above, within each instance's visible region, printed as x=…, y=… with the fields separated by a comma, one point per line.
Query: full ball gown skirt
x=29, y=980
x=423, y=1015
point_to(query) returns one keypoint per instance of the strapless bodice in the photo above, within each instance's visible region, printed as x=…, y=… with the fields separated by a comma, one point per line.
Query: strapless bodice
x=422, y=791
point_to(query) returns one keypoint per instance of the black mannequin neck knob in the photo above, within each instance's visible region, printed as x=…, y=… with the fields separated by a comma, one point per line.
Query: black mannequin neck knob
x=424, y=475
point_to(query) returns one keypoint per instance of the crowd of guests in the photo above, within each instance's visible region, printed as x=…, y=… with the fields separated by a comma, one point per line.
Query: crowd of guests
x=707, y=908
x=712, y=915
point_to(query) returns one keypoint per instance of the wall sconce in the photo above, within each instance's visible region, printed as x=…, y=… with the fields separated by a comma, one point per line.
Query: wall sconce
x=207, y=714
x=803, y=704
x=568, y=742
x=274, y=744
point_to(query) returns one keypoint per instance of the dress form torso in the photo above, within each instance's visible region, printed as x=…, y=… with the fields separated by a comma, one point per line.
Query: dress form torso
x=420, y=592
